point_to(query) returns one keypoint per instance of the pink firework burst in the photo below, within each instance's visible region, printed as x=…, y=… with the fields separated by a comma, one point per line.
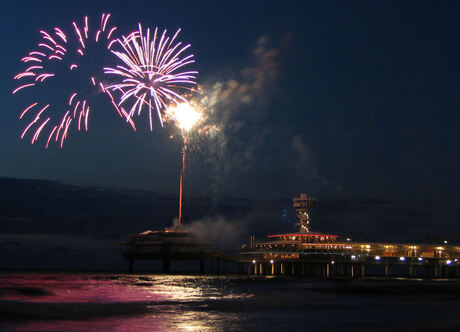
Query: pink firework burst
x=151, y=74
x=66, y=49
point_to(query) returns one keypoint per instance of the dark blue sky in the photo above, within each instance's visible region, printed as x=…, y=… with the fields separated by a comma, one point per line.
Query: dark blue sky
x=354, y=102
x=356, y=99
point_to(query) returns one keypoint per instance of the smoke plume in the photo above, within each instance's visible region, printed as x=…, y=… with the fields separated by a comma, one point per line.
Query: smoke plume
x=218, y=231
x=236, y=113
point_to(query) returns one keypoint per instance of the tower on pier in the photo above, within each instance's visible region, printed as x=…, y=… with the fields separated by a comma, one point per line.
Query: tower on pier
x=303, y=204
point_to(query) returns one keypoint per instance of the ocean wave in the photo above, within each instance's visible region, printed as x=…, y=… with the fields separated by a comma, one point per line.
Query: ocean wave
x=23, y=291
x=20, y=310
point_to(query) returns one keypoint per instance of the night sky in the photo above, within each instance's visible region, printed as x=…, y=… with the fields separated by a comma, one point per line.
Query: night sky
x=352, y=101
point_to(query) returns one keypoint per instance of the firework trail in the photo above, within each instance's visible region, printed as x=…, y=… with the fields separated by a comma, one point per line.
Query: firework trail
x=182, y=174
x=185, y=116
x=151, y=75
x=66, y=49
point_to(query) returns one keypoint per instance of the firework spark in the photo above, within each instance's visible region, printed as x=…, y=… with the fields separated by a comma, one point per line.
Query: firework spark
x=185, y=116
x=151, y=74
x=54, y=47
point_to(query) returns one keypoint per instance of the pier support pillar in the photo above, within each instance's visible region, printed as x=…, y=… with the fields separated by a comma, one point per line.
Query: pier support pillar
x=343, y=270
x=429, y=269
x=273, y=268
x=387, y=270
x=131, y=266
x=363, y=270
x=293, y=269
x=352, y=270
x=328, y=272
x=166, y=265
x=261, y=268
x=412, y=271
x=283, y=269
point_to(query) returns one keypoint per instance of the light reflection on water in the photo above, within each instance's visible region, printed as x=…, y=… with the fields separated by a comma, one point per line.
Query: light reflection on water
x=121, y=302
x=82, y=302
x=100, y=288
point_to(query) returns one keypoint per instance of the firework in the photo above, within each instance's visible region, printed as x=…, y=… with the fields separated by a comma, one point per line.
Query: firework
x=151, y=75
x=185, y=116
x=64, y=50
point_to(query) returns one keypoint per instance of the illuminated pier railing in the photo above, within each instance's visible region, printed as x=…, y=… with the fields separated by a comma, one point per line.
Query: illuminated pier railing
x=361, y=249
x=293, y=257
x=371, y=249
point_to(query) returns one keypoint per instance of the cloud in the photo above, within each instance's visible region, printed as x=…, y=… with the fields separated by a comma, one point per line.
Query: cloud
x=260, y=45
x=302, y=160
x=44, y=251
x=301, y=151
x=51, y=242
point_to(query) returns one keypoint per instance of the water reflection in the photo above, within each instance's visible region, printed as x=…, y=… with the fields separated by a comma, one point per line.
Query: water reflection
x=61, y=302
x=106, y=288
x=122, y=302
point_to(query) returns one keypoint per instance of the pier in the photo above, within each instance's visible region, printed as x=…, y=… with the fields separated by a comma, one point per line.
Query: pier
x=313, y=254
x=303, y=253
x=352, y=260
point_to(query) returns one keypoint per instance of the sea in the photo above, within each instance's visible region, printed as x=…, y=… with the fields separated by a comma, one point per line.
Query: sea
x=44, y=301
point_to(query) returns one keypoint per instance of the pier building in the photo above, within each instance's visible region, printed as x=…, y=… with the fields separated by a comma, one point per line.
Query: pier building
x=165, y=246
x=316, y=254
